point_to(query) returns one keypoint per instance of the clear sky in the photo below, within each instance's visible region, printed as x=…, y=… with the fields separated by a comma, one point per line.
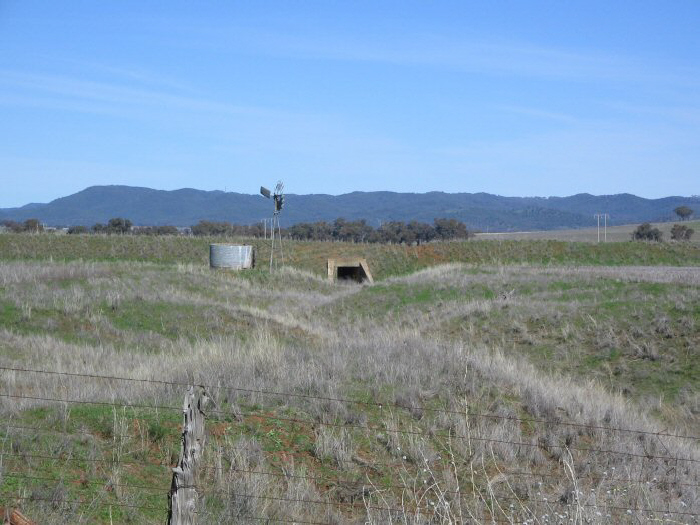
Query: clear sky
x=515, y=98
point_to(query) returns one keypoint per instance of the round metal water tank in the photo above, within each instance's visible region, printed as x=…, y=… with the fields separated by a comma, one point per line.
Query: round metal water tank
x=232, y=256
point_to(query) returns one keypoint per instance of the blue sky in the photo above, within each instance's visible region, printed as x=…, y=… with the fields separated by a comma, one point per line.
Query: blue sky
x=514, y=98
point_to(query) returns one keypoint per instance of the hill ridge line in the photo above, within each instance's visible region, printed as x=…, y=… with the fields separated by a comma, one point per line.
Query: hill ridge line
x=480, y=211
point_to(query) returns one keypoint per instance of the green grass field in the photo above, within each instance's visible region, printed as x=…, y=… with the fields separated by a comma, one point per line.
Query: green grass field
x=476, y=381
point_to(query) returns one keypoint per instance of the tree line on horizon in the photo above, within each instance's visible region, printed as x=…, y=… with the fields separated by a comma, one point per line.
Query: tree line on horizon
x=338, y=230
x=396, y=232
x=348, y=231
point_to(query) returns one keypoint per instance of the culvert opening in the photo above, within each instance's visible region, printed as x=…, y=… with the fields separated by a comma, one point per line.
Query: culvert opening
x=351, y=273
x=355, y=270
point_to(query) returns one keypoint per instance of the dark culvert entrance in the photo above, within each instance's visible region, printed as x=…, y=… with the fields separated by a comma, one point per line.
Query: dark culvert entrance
x=351, y=273
x=349, y=270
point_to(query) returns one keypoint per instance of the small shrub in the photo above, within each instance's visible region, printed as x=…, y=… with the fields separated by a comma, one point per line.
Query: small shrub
x=645, y=232
x=156, y=431
x=681, y=233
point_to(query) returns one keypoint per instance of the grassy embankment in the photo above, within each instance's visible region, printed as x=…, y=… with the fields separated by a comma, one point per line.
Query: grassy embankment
x=384, y=260
x=537, y=340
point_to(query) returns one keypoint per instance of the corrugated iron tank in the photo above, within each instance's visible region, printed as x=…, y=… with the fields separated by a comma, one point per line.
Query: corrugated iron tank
x=231, y=256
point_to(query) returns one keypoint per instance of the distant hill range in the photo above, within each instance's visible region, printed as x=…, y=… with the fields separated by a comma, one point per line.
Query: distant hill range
x=483, y=211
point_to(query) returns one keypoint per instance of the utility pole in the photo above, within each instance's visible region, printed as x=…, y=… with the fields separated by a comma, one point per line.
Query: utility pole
x=605, y=227
x=605, y=218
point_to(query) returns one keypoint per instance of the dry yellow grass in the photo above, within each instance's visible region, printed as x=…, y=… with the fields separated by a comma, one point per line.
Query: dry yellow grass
x=447, y=342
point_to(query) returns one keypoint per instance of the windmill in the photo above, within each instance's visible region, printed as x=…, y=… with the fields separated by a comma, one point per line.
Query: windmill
x=278, y=199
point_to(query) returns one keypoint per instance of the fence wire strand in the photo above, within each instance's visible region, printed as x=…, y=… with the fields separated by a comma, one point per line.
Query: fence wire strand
x=365, y=403
x=367, y=464
x=314, y=423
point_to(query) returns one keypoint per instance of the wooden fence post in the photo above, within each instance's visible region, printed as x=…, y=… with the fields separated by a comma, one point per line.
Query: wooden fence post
x=14, y=517
x=182, y=499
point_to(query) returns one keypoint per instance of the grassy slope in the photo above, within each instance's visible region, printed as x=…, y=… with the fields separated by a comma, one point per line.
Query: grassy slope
x=384, y=260
x=406, y=340
x=634, y=334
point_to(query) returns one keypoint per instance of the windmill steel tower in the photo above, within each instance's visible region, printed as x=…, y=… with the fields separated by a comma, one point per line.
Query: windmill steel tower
x=275, y=229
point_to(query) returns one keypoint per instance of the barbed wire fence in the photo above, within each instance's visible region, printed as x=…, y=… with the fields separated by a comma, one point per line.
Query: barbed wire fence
x=424, y=484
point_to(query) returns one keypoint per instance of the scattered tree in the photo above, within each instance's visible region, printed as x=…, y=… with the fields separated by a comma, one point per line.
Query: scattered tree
x=74, y=230
x=118, y=225
x=306, y=231
x=14, y=227
x=421, y=231
x=212, y=228
x=683, y=212
x=33, y=226
x=155, y=230
x=450, y=229
x=166, y=230
x=354, y=231
x=645, y=232
x=681, y=232
x=28, y=226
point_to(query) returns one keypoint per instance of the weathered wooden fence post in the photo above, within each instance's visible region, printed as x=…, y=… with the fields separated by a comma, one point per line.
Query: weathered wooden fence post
x=182, y=499
x=14, y=517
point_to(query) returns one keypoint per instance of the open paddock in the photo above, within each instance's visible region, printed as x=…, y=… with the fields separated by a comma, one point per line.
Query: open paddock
x=472, y=382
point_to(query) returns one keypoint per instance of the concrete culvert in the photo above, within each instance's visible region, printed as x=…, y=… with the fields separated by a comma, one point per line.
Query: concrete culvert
x=349, y=270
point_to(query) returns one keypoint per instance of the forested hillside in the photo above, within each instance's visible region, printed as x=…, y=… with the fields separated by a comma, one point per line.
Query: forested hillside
x=480, y=211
